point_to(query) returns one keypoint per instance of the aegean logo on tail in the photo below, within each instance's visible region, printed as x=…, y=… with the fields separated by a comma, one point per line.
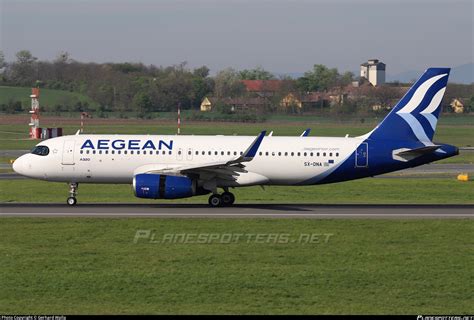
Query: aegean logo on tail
x=418, y=101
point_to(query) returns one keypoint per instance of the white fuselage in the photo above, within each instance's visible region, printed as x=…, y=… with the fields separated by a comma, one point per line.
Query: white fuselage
x=114, y=159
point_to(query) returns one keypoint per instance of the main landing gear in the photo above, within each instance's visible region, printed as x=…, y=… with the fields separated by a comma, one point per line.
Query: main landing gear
x=72, y=193
x=222, y=200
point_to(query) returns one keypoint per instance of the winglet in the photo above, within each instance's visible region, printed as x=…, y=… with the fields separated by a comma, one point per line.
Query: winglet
x=306, y=133
x=251, y=151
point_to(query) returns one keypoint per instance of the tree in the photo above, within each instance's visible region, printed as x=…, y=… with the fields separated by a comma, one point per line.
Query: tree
x=385, y=95
x=256, y=74
x=201, y=72
x=25, y=57
x=227, y=84
x=63, y=57
x=23, y=69
x=346, y=79
x=2, y=60
x=142, y=103
x=321, y=78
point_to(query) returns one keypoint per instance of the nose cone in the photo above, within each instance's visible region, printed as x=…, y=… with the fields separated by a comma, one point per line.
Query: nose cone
x=18, y=165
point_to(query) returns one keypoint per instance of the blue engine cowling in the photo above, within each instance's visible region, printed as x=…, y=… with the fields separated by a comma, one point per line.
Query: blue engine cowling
x=157, y=186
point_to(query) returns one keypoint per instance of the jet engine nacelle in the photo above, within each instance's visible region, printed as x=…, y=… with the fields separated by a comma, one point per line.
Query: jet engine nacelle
x=158, y=186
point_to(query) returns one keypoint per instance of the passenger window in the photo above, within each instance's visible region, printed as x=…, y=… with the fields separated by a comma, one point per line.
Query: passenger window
x=337, y=154
x=81, y=151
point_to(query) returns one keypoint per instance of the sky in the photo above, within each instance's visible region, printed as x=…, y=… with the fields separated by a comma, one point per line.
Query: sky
x=281, y=36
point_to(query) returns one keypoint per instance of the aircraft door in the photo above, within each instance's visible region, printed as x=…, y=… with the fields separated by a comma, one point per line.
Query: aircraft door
x=362, y=156
x=68, y=152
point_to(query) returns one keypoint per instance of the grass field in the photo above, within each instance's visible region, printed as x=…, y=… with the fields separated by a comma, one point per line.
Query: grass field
x=370, y=190
x=49, y=98
x=93, y=266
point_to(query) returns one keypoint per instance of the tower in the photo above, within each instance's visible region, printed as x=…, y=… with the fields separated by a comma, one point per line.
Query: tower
x=35, y=130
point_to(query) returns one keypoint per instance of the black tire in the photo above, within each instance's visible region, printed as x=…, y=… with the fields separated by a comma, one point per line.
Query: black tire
x=215, y=201
x=71, y=201
x=228, y=198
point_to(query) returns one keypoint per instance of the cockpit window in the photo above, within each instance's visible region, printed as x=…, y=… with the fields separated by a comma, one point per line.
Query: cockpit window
x=40, y=150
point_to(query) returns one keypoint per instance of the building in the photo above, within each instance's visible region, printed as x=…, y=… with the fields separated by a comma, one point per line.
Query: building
x=307, y=101
x=457, y=106
x=264, y=88
x=373, y=71
x=207, y=104
x=237, y=105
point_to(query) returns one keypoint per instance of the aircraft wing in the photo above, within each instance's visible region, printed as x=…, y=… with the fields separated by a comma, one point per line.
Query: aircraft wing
x=226, y=170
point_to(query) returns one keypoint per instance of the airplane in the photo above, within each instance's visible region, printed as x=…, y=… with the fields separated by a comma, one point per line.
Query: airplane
x=179, y=166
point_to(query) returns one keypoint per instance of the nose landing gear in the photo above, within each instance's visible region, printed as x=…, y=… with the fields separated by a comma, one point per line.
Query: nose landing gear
x=72, y=193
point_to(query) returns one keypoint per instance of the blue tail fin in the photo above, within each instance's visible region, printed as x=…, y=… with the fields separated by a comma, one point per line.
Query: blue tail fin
x=415, y=116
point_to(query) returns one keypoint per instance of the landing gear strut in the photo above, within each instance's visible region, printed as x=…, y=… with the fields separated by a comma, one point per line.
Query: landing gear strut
x=72, y=193
x=225, y=199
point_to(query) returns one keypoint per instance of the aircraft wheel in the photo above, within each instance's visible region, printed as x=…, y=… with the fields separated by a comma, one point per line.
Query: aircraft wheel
x=71, y=201
x=215, y=200
x=228, y=198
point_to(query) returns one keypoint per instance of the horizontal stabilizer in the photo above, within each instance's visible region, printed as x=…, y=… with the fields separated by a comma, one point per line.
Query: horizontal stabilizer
x=408, y=154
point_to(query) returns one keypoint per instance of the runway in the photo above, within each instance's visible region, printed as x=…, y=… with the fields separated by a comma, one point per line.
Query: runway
x=273, y=211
